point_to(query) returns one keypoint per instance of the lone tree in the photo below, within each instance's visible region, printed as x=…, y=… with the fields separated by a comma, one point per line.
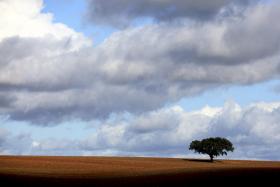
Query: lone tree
x=212, y=146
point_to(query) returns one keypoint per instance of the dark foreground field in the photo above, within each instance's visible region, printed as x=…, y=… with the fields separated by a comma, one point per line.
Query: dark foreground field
x=114, y=171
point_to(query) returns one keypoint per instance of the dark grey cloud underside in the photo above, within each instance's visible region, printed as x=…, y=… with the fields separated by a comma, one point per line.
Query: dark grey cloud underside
x=121, y=12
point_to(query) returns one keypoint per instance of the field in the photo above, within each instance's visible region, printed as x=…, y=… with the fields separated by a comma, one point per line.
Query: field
x=132, y=171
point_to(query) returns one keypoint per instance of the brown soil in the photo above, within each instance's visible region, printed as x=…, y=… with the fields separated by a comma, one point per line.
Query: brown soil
x=132, y=171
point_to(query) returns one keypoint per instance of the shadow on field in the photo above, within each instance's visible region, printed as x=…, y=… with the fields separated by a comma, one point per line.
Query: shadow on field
x=212, y=177
x=200, y=160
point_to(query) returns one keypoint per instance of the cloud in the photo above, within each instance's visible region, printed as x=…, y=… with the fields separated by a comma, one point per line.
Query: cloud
x=122, y=12
x=49, y=73
x=254, y=130
x=3, y=136
x=275, y=88
x=25, y=19
x=14, y=144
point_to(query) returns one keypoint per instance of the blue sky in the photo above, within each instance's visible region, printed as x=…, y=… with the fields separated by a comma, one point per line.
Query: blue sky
x=151, y=72
x=72, y=13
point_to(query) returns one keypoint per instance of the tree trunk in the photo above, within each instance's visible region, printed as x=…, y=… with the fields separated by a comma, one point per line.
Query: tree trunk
x=211, y=158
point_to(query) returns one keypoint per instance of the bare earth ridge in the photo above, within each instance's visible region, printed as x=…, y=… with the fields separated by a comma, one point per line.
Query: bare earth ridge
x=132, y=171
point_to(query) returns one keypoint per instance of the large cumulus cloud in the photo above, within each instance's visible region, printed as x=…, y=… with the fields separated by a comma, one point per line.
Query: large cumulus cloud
x=49, y=73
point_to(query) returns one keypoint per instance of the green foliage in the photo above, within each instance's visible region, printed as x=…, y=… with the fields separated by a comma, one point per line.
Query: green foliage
x=212, y=146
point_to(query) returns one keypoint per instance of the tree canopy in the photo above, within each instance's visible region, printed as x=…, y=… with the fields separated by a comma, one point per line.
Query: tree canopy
x=212, y=146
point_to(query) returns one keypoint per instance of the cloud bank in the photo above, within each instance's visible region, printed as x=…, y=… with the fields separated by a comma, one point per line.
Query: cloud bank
x=122, y=12
x=49, y=73
x=253, y=129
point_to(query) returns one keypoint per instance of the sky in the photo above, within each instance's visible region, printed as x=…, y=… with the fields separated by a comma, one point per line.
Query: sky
x=139, y=78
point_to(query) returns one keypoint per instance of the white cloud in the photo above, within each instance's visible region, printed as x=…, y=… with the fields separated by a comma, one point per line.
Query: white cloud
x=25, y=19
x=35, y=144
